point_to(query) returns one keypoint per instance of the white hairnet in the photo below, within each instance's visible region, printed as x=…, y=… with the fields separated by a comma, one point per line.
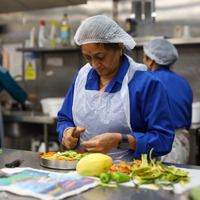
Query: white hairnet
x=102, y=29
x=161, y=51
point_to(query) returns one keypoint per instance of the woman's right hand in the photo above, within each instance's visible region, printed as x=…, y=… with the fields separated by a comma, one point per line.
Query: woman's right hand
x=68, y=140
x=32, y=97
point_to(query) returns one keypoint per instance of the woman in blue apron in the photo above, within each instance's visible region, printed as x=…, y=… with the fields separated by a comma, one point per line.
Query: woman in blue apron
x=159, y=56
x=118, y=107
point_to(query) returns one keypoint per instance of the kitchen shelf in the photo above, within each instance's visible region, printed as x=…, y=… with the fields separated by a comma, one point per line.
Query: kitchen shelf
x=140, y=41
x=183, y=41
x=49, y=49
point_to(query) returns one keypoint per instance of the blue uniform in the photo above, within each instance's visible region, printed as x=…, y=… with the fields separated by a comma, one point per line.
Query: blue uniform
x=11, y=86
x=150, y=116
x=180, y=96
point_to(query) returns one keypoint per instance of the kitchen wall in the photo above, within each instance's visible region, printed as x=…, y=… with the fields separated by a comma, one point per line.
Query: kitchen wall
x=54, y=81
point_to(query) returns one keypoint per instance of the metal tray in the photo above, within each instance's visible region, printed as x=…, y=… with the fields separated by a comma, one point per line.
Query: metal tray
x=56, y=164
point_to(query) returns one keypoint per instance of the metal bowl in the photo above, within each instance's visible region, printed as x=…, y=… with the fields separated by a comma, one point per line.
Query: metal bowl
x=58, y=164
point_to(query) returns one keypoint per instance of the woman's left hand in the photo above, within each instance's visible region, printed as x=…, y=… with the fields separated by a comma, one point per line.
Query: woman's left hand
x=102, y=143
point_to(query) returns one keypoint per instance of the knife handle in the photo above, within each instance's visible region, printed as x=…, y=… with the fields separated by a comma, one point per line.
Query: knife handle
x=15, y=163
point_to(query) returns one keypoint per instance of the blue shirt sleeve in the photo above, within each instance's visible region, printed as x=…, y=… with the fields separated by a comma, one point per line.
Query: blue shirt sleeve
x=12, y=87
x=150, y=115
x=65, y=113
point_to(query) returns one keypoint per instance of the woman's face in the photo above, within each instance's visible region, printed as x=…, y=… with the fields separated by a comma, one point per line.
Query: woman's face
x=146, y=61
x=105, y=61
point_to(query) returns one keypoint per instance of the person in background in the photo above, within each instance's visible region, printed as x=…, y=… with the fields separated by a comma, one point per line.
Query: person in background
x=118, y=107
x=11, y=86
x=159, y=55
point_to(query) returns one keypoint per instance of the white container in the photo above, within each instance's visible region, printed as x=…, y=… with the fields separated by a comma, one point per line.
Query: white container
x=32, y=42
x=186, y=32
x=53, y=146
x=51, y=106
x=41, y=34
x=196, y=112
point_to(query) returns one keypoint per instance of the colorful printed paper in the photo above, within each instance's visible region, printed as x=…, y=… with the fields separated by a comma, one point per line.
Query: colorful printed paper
x=43, y=184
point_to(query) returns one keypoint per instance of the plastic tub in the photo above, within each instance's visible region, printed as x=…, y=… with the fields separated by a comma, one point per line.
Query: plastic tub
x=51, y=106
x=196, y=112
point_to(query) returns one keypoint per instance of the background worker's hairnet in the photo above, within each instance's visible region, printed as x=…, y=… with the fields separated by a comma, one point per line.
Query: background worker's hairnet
x=161, y=51
x=102, y=29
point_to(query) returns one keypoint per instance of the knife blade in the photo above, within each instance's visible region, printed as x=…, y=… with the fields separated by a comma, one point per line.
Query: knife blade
x=73, y=132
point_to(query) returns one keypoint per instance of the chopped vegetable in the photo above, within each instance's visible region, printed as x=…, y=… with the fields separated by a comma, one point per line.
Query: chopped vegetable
x=64, y=156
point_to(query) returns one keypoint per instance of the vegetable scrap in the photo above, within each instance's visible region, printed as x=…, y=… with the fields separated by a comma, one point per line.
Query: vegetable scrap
x=145, y=173
x=65, y=156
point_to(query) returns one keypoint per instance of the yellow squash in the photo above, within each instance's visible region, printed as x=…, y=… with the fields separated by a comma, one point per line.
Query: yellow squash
x=94, y=164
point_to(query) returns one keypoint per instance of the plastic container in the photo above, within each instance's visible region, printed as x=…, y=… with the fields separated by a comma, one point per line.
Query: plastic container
x=41, y=34
x=54, y=107
x=53, y=33
x=51, y=106
x=186, y=32
x=65, y=31
x=53, y=146
x=32, y=37
x=196, y=112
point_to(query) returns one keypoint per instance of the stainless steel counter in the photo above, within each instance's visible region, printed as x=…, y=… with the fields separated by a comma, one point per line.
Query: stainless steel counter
x=31, y=117
x=31, y=159
x=27, y=116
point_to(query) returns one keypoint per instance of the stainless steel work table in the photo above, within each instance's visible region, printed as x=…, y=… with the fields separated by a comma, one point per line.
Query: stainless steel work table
x=31, y=117
x=31, y=159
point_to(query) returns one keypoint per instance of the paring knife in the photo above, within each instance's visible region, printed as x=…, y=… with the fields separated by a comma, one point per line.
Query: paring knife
x=73, y=132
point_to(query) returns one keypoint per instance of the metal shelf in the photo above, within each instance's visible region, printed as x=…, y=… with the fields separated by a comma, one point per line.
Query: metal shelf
x=139, y=43
x=49, y=49
x=176, y=41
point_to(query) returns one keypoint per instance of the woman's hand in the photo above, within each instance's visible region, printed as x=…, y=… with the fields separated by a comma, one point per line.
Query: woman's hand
x=102, y=143
x=32, y=97
x=70, y=141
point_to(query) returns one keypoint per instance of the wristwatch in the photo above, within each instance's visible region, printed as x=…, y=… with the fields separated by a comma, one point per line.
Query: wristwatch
x=123, y=143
